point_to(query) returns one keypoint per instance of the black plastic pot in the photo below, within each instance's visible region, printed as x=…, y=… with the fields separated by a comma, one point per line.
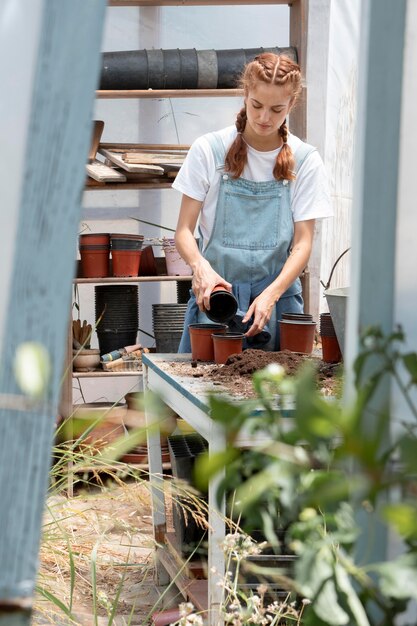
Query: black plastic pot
x=178, y=69
x=183, y=450
x=109, y=340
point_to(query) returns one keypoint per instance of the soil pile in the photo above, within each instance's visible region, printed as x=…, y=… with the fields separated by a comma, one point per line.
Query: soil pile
x=235, y=376
x=250, y=361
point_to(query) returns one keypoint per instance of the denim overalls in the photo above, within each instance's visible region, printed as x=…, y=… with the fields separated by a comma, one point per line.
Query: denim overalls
x=250, y=242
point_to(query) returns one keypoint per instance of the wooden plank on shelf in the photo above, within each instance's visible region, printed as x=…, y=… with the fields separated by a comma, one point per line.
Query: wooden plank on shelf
x=168, y=93
x=130, y=279
x=102, y=374
x=190, y=3
x=192, y=589
x=93, y=185
x=150, y=148
x=153, y=158
x=116, y=158
x=103, y=173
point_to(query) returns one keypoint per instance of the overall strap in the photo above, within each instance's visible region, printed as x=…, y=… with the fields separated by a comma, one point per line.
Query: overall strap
x=218, y=148
x=302, y=153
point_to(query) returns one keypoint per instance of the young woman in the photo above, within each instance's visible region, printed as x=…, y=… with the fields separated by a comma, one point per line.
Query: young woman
x=256, y=190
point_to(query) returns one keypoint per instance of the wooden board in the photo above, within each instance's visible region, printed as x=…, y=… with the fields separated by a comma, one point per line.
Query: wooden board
x=103, y=173
x=116, y=158
x=172, y=148
x=153, y=158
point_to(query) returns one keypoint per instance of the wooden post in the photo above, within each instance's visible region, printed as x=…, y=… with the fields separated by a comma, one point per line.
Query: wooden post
x=44, y=192
x=371, y=298
x=298, y=39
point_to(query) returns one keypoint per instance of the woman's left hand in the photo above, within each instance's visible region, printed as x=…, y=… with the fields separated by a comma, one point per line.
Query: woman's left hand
x=260, y=309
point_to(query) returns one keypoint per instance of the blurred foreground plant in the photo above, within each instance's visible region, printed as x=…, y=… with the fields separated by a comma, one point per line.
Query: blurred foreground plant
x=322, y=476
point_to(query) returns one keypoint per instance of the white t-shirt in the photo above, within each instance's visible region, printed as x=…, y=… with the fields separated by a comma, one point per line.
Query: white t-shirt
x=199, y=179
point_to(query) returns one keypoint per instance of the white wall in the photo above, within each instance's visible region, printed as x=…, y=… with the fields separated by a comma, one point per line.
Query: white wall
x=340, y=134
x=179, y=120
x=18, y=55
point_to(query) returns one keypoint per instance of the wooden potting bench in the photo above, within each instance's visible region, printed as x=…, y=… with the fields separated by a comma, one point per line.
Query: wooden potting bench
x=187, y=397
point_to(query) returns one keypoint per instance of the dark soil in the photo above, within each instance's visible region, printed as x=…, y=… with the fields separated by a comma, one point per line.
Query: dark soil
x=250, y=361
x=235, y=377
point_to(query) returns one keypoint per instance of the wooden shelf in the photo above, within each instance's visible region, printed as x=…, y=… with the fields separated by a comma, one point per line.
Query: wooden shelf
x=130, y=279
x=168, y=93
x=96, y=186
x=103, y=374
x=191, y=588
x=189, y=3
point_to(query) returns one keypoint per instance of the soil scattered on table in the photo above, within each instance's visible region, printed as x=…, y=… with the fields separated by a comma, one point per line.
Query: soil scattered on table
x=235, y=376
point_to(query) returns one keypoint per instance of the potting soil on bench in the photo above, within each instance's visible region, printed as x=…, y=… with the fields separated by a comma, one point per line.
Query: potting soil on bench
x=235, y=377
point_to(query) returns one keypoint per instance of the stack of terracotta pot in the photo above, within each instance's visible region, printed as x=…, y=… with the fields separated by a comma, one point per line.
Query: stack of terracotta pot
x=297, y=331
x=95, y=255
x=329, y=343
x=126, y=251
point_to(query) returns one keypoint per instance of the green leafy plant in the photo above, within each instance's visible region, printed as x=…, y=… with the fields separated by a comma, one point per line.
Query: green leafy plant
x=323, y=477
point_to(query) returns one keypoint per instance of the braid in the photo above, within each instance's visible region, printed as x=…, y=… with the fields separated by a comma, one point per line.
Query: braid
x=272, y=69
x=285, y=163
x=241, y=120
x=237, y=155
x=283, y=131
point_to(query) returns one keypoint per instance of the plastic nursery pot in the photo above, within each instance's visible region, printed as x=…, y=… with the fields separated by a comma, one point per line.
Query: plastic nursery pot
x=297, y=336
x=95, y=261
x=176, y=266
x=202, y=341
x=126, y=262
x=95, y=239
x=226, y=344
x=330, y=349
x=298, y=317
x=126, y=242
x=223, y=305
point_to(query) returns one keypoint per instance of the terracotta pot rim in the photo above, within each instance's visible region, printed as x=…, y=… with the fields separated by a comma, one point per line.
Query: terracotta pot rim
x=228, y=336
x=207, y=326
x=86, y=351
x=303, y=322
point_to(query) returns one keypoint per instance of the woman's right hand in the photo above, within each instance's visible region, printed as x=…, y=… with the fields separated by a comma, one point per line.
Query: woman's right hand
x=204, y=280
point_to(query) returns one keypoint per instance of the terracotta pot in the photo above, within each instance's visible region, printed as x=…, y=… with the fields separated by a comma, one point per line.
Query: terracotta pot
x=223, y=305
x=95, y=261
x=165, y=618
x=201, y=340
x=330, y=349
x=226, y=344
x=297, y=336
x=126, y=262
x=134, y=400
x=86, y=360
x=95, y=239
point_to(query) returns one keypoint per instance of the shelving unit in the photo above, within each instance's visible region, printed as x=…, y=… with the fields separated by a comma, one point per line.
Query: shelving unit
x=204, y=594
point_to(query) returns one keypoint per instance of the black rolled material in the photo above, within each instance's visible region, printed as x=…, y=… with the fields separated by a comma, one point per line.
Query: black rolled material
x=189, y=69
x=127, y=69
x=178, y=69
x=229, y=67
x=172, y=68
x=155, y=69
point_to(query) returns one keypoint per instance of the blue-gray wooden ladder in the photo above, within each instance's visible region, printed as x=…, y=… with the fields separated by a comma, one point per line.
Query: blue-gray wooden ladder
x=48, y=78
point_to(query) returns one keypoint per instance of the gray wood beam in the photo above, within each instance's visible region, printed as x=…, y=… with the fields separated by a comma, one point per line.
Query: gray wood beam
x=376, y=169
x=371, y=300
x=52, y=129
